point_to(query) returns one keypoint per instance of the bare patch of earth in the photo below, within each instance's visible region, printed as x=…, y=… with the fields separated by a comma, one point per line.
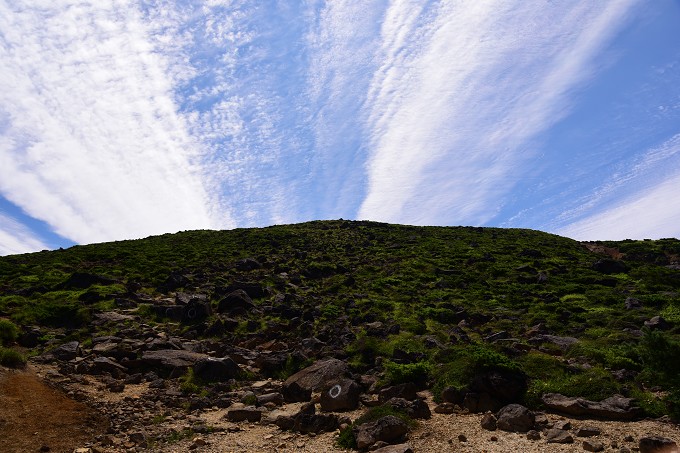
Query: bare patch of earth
x=34, y=415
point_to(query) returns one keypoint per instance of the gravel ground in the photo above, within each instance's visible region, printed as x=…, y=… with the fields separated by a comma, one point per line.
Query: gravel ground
x=438, y=434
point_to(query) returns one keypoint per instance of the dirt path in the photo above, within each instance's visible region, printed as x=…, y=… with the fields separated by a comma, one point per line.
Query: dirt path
x=34, y=415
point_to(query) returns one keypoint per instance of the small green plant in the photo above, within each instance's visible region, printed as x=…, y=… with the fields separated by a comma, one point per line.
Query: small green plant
x=8, y=332
x=176, y=436
x=11, y=358
x=190, y=384
x=158, y=419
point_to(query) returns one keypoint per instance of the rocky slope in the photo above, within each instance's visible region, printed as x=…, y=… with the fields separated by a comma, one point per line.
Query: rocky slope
x=200, y=336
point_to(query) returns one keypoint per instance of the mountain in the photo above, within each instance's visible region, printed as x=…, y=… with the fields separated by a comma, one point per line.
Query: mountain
x=452, y=309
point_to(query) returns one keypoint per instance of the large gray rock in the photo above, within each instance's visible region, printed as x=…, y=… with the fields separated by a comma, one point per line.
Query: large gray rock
x=171, y=358
x=388, y=429
x=299, y=386
x=236, y=303
x=515, y=418
x=340, y=395
x=613, y=408
x=67, y=351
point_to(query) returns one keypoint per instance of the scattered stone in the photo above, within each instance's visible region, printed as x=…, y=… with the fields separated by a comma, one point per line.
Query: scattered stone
x=67, y=351
x=632, y=303
x=657, y=444
x=400, y=448
x=445, y=408
x=533, y=435
x=407, y=391
x=387, y=429
x=562, y=424
x=515, y=418
x=462, y=438
x=239, y=414
x=593, y=445
x=558, y=436
x=489, y=422
x=417, y=408
x=588, y=431
x=657, y=323
x=274, y=397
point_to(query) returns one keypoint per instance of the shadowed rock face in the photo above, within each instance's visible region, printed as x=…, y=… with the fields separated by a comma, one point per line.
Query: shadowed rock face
x=614, y=408
x=388, y=429
x=299, y=386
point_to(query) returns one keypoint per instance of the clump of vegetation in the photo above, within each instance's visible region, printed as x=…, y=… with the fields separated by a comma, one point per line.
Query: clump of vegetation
x=11, y=358
x=397, y=373
x=8, y=332
x=191, y=384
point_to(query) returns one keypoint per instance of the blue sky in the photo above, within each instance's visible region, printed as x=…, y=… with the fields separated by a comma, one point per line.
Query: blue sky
x=122, y=119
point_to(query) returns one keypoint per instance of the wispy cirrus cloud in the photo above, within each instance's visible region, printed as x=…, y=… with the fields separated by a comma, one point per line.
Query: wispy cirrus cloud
x=92, y=142
x=638, y=200
x=17, y=238
x=454, y=108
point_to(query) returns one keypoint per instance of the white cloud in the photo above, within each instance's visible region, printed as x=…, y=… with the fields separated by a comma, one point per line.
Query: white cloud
x=654, y=213
x=643, y=200
x=17, y=238
x=93, y=143
x=462, y=91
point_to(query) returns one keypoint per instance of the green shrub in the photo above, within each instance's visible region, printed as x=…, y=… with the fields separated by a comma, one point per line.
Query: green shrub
x=396, y=373
x=8, y=332
x=11, y=358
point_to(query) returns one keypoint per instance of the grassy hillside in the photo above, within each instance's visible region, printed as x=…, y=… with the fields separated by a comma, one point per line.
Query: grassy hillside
x=428, y=304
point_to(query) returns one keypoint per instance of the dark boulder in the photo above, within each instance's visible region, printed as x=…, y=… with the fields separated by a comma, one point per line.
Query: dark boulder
x=244, y=413
x=657, y=323
x=632, y=303
x=388, y=429
x=407, y=391
x=340, y=395
x=299, y=386
x=489, y=422
x=67, y=351
x=515, y=418
x=212, y=369
x=610, y=266
x=236, y=303
x=247, y=264
x=502, y=386
x=82, y=280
